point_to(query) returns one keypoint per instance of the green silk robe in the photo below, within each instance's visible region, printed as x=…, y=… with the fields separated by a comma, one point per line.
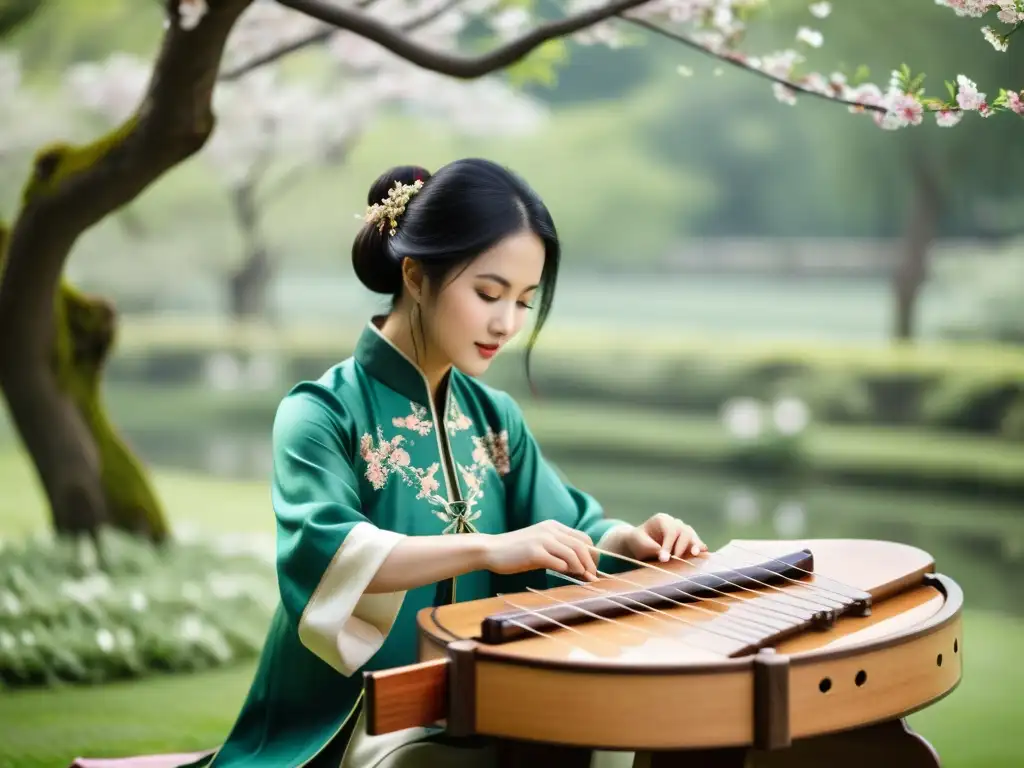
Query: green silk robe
x=361, y=459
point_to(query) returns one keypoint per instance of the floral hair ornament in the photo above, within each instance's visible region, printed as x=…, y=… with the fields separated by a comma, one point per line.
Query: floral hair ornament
x=390, y=208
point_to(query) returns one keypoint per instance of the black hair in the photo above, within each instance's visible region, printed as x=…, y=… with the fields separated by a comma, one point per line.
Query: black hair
x=463, y=209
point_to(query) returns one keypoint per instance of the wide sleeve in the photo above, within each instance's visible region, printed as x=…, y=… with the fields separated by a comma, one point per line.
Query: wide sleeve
x=537, y=491
x=327, y=550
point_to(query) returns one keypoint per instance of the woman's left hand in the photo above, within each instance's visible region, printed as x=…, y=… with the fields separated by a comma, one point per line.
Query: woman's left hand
x=662, y=536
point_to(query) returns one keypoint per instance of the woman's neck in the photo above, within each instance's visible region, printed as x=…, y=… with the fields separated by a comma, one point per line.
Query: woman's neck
x=397, y=329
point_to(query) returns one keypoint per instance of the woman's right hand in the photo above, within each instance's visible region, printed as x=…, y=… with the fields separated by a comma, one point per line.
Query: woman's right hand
x=548, y=544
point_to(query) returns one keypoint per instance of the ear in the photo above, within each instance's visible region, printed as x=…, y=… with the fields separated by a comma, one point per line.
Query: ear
x=412, y=278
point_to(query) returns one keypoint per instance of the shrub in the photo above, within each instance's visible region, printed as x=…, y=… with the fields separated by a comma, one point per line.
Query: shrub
x=188, y=606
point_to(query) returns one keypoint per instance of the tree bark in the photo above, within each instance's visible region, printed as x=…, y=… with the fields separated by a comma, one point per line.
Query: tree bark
x=85, y=335
x=912, y=270
x=54, y=405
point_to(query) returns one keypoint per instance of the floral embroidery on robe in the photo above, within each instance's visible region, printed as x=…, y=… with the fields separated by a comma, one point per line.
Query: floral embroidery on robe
x=388, y=458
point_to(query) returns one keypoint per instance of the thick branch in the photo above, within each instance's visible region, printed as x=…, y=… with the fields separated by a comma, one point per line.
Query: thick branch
x=453, y=65
x=323, y=35
x=74, y=187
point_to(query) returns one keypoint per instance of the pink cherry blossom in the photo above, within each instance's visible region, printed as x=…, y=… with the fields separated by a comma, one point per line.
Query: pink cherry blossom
x=968, y=96
x=946, y=118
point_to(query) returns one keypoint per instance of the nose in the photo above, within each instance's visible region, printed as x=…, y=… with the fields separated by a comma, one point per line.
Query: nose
x=503, y=320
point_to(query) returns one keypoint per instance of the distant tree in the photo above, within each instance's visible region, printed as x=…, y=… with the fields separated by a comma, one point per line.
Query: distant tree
x=260, y=149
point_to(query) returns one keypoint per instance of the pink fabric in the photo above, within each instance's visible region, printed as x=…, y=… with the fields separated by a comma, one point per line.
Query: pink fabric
x=141, y=761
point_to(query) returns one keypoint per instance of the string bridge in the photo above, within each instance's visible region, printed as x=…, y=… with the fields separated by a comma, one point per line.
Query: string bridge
x=772, y=612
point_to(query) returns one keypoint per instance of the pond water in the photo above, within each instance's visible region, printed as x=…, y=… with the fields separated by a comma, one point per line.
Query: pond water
x=978, y=542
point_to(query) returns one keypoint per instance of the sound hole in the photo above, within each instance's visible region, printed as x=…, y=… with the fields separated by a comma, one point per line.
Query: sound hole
x=861, y=678
x=938, y=660
x=824, y=685
x=956, y=646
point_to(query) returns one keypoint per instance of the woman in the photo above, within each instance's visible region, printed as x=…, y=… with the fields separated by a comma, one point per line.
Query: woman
x=400, y=481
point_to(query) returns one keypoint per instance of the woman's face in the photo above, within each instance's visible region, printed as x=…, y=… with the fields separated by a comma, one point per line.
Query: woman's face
x=485, y=305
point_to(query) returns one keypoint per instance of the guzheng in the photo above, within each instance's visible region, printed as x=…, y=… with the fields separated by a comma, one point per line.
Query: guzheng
x=764, y=652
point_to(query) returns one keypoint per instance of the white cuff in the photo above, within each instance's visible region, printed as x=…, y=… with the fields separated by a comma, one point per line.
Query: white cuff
x=341, y=624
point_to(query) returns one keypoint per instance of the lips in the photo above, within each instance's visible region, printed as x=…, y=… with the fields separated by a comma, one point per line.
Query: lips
x=487, y=350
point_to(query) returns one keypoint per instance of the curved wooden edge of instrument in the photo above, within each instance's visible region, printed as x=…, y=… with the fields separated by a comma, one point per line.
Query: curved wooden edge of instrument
x=873, y=681
x=950, y=611
x=763, y=701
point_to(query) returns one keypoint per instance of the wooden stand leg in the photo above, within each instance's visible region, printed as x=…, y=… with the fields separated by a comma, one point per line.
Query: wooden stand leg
x=891, y=744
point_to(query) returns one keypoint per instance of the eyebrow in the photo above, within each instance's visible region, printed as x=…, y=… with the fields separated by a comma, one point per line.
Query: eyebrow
x=501, y=280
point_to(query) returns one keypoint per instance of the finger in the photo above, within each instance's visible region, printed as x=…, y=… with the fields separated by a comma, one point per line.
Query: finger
x=584, y=553
x=568, y=554
x=699, y=545
x=683, y=540
x=549, y=561
x=643, y=545
x=671, y=539
x=574, y=532
x=658, y=525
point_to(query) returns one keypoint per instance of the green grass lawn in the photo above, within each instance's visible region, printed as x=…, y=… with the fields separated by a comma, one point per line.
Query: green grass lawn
x=975, y=727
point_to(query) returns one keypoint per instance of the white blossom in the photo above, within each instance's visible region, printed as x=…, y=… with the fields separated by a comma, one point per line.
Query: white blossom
x=791, y=415
x=105, y=640
x=138, y=601
x=11, y=604
x=743, y=417
x=110, y=89
x=820, y=10
x=191, y=12
x=191, y=627
x=812, y=37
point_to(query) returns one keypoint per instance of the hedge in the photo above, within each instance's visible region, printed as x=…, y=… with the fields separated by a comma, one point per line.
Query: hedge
x=874, y=456
x=66, y=618
x=963, y=387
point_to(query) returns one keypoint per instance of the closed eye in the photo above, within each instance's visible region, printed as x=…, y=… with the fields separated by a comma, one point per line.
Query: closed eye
x=491, y=299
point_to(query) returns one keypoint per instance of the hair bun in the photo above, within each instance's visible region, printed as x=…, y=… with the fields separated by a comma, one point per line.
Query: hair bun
x=372, y=260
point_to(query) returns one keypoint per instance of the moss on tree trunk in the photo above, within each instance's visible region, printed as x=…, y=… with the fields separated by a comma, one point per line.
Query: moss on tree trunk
x=85, y=334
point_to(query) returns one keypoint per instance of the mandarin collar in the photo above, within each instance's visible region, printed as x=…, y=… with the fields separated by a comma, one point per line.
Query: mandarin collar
x=390, y=365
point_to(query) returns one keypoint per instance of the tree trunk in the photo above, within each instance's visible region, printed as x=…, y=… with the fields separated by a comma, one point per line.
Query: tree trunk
x=55, y=340
x=249, y=285
x=88, y=325
x=912, y=270
x=89, y=475
x=55, y=435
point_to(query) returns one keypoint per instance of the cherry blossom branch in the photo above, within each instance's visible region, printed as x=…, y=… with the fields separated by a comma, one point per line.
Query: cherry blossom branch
x=453, y=65
x=740, y=61
x=308, y=41
x=321, y=36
